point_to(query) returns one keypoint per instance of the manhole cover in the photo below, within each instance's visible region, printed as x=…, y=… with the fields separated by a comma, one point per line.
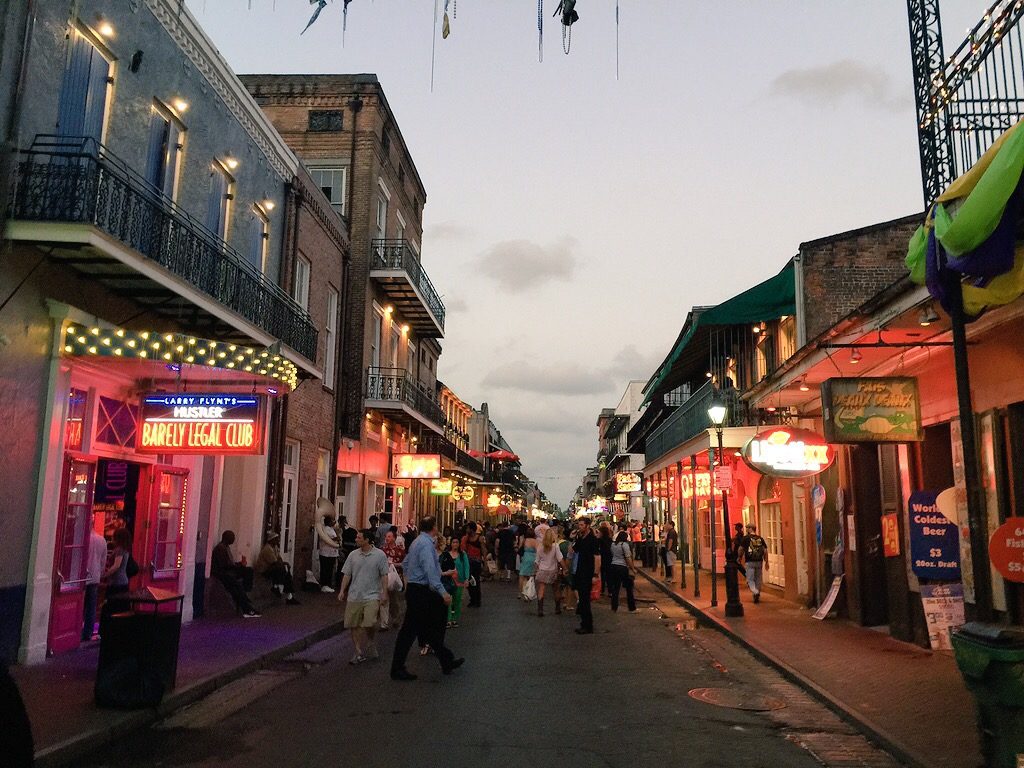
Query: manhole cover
x=736, y=699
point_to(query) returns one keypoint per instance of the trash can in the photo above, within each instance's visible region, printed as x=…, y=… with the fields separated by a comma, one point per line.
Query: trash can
x=991, y=660
x=138, y=659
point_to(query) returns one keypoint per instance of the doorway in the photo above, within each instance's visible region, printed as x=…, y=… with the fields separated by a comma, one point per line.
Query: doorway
x=290, y=500
x=803, y=583
x=770, y=493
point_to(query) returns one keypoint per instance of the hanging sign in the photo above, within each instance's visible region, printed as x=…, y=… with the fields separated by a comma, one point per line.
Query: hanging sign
x=201, y=423
x=443, y=487
x=934, y=539
x=788, y=452
x=723, y=477
x=1006, y=550
x=628, y=482
x=891, y=535
x=406, y=466
x=872, y=410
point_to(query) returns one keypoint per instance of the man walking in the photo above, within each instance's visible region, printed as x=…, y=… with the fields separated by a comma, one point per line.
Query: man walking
x=586, y=551
x=364, y=585
x=753, y=550
x=506, y=551
x=426, y=605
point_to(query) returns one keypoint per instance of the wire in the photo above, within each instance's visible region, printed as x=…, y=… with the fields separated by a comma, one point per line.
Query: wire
x=23, y=281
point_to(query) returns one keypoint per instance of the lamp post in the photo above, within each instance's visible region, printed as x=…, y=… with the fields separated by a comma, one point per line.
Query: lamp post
x=733, y=606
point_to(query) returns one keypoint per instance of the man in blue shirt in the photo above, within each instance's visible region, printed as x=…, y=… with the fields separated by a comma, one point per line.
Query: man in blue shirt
x=426, y=602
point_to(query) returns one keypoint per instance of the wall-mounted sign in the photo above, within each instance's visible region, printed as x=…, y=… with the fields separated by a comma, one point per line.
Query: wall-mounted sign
x=788, y=452
x=201, y=423
x=463, y=493
x=698, y=485
x=628, y=482
x=1006, y=550
x=934, y=539
x=413, y=466
x=442, y=487
x=723, y=477
x=492, y=500
x=891, y=535
x=620, y=497
x=871, y=410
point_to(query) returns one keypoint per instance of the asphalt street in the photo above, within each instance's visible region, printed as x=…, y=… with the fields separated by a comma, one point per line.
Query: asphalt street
x=532, y=693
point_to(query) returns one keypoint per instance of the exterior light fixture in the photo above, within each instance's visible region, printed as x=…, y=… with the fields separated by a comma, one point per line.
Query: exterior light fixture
x=106, y=29
x=855, y=356
x=717, y=411
x=388, y=309
x=927, y=316
x=405, y=328
x=180, y=105
x=269, y=204
x=231, y=163
x=803, y=385
x=757, y=328
x=708, y=374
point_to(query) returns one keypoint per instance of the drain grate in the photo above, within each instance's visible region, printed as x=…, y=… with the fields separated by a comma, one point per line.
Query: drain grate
x=733, y=698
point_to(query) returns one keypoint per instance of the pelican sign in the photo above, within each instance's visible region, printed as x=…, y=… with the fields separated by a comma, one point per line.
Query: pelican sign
x=788, y=452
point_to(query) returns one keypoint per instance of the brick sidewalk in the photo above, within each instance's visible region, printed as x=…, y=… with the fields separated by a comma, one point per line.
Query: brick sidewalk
x=911, y=699
x=58, y=693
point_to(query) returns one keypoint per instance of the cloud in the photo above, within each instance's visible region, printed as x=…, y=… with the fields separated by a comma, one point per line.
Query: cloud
x=455, y=304
x=847, y=78
x=560, y=379
x=448, y=230
x=518, y=266
x=630, y=363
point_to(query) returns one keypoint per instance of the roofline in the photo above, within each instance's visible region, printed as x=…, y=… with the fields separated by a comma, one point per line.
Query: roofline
x=863, y=230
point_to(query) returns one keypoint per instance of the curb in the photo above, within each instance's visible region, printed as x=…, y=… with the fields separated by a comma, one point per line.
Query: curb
x=874, y=732
x=83, y=743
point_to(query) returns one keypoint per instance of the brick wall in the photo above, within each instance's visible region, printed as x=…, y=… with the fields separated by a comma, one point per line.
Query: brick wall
x=843, y=271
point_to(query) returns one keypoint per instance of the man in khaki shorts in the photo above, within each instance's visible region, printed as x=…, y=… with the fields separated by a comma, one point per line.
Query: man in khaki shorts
x=364, y=586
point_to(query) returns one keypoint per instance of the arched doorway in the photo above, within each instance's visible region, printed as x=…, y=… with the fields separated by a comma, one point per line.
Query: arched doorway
x=769, y=495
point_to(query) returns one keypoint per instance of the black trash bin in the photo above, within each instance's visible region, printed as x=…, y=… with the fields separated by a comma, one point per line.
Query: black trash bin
x=991, y=660
x=138, y=660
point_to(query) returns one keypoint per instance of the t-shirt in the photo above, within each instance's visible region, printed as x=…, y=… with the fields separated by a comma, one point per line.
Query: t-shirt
x=585, y=548
x=671, y=540
x=620, y=553
x=506, y=540
x=365, y=570
x=97, y=562
x=473, y=549
x=548, y=560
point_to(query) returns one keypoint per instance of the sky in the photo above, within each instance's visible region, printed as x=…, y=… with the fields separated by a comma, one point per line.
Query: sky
x=573, y=218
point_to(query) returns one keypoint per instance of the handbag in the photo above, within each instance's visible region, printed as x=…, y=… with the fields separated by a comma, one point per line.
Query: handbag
x=131, y=568
x=595, y=590
x=530, y=589
x=394, y=580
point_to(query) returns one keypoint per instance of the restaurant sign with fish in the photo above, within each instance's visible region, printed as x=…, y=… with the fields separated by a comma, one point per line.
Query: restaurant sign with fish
x=872, y=410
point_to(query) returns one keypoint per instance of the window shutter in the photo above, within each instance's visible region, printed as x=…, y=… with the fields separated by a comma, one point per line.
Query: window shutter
x=96, y=100
x=157, y=150
x=74, y=89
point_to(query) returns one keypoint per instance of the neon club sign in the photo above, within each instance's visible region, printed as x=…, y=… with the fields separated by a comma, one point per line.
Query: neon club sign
x=415, y=466
x=201, y=423
x=628, y=482
x=788, y=452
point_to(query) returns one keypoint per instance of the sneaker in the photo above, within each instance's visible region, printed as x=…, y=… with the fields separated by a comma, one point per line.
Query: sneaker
x=373, y=654
x=402, y=674
x=424, y=650
x=327, y=589
x=251, y=615
x=455, y=623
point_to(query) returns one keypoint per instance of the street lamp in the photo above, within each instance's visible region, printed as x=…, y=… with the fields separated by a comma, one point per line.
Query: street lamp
x=733, y=606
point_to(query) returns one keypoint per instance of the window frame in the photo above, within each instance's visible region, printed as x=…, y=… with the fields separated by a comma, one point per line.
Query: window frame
x=172, y=155
x=262, y=220
x=314, y=171
x=217, y=167
x=330, y=338
x=300, y=288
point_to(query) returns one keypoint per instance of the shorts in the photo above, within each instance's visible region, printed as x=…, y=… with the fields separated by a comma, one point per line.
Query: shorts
x=545, y=576
x=361, y=614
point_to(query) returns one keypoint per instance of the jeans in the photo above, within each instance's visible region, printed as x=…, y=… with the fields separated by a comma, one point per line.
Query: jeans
x=327, y=565
x=234, y=587
x=583, y=585
x=89, y=611
x=755, y=572
x=425, y=614
x=278, y=573
x=621, y=577
x=476, y=570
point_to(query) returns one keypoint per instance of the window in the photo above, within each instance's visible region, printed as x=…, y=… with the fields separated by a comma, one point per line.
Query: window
x=410, y=358
x=75, y=420
x=378, y=326
x=385, y=143
x=332, y=183
x=396, y=340
x=382, y=217
x=259, y=239
x=340, y=492
x=116, y=422
x=301, y=292
x=787, y=338
x=331, y=338
x=401, y=173
x=165, y=145
x=85, y=89
x=326, y=120
x=323, y=465
x=399, y=233
x=169, y=530
x=219, y=198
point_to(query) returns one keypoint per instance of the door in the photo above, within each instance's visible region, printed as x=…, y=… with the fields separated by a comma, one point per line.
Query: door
x=771, y=531
x=290, y=499
x=74, y=523
x=803, y=582
x=872, y=605
x=164, y=526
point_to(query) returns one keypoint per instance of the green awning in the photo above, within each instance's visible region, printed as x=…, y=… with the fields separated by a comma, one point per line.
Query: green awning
x=770, y=300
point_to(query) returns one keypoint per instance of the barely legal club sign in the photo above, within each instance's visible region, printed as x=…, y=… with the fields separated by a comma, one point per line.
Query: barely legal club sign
x=201, y=423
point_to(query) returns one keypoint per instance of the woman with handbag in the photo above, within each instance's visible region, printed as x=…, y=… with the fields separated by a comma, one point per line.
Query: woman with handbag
x=622, y=572
x=528, y=561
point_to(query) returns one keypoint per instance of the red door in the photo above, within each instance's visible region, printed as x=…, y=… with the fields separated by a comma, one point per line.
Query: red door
x=70, y=562
x=163, y=526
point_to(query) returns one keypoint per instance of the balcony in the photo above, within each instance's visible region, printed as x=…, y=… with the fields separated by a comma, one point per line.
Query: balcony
x=688, y=420
x=462, y=460
x=394, y=265
x=397, y=395
x=110, y=225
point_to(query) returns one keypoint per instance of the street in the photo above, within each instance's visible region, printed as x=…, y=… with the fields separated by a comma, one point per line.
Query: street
x=532, y=693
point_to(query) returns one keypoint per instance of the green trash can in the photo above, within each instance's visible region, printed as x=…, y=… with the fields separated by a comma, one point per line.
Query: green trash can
x=991, y=660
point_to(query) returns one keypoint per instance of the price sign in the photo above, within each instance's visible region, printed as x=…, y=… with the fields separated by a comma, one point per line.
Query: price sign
x=934, y=539
x=1006, y=550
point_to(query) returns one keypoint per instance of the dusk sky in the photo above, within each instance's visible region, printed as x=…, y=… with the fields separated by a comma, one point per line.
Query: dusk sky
x=573, y=219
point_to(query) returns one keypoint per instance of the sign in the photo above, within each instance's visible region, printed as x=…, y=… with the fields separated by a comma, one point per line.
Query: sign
x=201, y=423
x=463, y=493
x=872, y=410
x=943, y=611
x=934, y=539
x=788, y=452
x=723, y=477
x=493, y=500
x=891, y=535
x=830, y=599
x=697, y=484
x=818, y=502
x=620, y=497
x=443, y=487
x=628, y=482
x=406, y=466
x=1006, y=550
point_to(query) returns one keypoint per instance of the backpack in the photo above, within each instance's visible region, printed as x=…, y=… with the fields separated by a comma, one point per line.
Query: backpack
x=756, y=548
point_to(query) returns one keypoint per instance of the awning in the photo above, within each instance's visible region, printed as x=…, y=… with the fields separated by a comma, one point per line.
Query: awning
x=769, y=300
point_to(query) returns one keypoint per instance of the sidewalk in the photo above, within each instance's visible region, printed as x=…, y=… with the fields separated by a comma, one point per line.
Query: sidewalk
x=59, y=692
x=910, y=699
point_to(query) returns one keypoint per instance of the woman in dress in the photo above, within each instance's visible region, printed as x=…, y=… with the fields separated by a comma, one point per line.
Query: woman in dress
x=549, y=566
x=528, y=562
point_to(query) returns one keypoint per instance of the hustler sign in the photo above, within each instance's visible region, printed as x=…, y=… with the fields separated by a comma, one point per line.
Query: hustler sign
x=788, y=452
x=201, y=423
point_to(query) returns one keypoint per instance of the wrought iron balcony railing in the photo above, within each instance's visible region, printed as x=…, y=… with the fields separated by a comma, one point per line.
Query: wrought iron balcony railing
x=78, y=181
x=688, y=420
x=395, y=385
x=438, y=444
x=399, y=255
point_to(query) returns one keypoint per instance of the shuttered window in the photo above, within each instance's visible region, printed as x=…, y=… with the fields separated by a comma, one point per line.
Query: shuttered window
x=217, y=203
x=83, y=95
x=165, y=144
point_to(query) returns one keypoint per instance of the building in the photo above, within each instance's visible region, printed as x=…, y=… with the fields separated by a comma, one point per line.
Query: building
x=616, y=459
x=148, y=341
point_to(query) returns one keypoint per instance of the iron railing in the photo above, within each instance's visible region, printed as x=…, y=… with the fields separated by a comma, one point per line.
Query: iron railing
x=438, y=444
x=396, y=385
x=79, y=181
x=398, y=254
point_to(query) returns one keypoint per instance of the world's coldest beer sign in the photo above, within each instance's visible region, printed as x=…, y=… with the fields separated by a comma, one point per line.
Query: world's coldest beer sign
x=201, y=423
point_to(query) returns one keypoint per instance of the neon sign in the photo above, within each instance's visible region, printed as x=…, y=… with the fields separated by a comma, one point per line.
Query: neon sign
x=414, y=466
x=442, y=487
x=201, y=423
x=698, y=485
x=628, y=482
x=788, y=452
